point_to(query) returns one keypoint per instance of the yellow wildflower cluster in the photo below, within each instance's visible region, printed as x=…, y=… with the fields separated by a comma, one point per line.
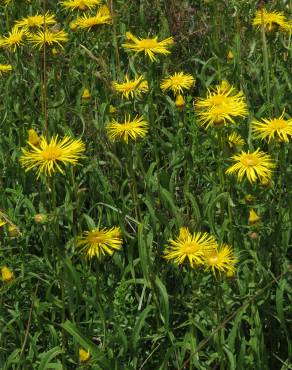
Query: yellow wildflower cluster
x=201, y=249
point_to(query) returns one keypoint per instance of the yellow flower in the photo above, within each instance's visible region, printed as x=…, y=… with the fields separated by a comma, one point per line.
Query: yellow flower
x=256, y=165
x=84, y=356
x=271, y=20
x=103, y=16
x=33, y=137
x=234, y=140
x=13, y=40
x=253, y=218
x=80, y=4
x=221, y=259
x=86, y=94
x=190, y=246
x=177, y=82
x=5, y=68
x=48, y=37
x=221, y=106
x=149, y=46
x=47, y=158
x=128, y=129
x=99, y=242
x=7, y=275
x=131, y=88
x=36, y=21
x=273, y=128
x=180, y=101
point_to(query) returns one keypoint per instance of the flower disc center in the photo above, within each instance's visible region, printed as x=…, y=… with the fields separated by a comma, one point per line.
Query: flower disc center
x=249, y=160
x=148, y=43
x=190, y=247
x=277, y=124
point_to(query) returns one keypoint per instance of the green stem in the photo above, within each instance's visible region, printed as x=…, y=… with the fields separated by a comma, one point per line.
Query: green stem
x=265, y=61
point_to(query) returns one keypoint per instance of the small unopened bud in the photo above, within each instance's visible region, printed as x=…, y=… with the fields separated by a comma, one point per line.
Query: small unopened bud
x=7, y=275
x=253, y=235
x=33, y=137
x=265, y=181
x=13, y=231
x=2, y=222
x=230, y=55
x=40, y=218
x=253, y=218
x=112, y=109
x=86, y=94
x=180, y=101
x=248, y=198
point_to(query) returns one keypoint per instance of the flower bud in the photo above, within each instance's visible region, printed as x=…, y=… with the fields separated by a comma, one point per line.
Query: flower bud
x=86, y=94
x=84, y=356
x=7, y=275
x=33, y=137
x=13, y=231
x=253, y=218
x=180, y=101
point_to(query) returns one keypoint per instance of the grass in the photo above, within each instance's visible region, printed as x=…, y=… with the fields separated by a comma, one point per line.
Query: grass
x=135, y=310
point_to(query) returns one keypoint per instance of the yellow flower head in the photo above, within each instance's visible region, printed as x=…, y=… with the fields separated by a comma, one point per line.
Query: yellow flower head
x=46, y=158
x=84, y=356
x=273, y=128
x=271, y=20
x=149, y=46
x=33, y=137
x=221, y=106
x=48, y=37
x=5, y=68
x=86, y=94
x=253, y=218
x=131, y=88
x=138, y=127
x=13, y=40
x=99, y=242
x=103, y=16
x=192, y=247
x=7, y=275
x=256, y=165
x=220, y=260
x=235, y=140
x=180, y=101
x=177, y=82
x=80, y=4
x=36, y=21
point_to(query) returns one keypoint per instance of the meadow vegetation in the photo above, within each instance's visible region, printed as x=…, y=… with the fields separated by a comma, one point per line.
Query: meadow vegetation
x=145, y=184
